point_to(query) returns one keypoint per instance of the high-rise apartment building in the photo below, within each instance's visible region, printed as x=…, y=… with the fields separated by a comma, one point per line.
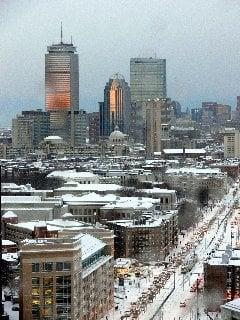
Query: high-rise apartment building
x=147, y=79
x=65, y=278
x=116, y=108
x=30, y=128
x=231, y=143
x=61, y=85
x=153, y=126
x=77, y=126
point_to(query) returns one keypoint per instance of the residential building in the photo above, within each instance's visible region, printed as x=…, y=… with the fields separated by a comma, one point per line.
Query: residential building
x=116, y=108
x=65, y=278
x=231, y=143
x=201, y=184
x=145, y=238
x=147, y=79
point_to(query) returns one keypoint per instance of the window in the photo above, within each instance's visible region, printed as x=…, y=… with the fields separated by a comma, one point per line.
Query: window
x=35, y=282
x=35, y=267
x=47, y=266
x=63, y=266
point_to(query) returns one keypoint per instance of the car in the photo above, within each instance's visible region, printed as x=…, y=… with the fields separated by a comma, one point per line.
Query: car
x=183, y=304
x=15, y=307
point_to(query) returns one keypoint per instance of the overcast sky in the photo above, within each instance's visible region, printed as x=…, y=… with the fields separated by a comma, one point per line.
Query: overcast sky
x=199, y=38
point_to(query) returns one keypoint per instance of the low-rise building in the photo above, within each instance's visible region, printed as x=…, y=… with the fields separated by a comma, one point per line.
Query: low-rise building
x=146, y=238
x=221, y=278
x=231, y=310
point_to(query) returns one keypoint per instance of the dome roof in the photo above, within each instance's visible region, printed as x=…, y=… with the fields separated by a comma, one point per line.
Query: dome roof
x=117, y=134
x=9, y=214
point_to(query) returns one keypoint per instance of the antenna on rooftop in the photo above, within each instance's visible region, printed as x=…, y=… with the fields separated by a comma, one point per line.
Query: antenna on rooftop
x=71, y=40
x=61, y=33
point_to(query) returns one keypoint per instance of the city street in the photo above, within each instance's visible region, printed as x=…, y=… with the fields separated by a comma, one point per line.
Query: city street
x=174, y=298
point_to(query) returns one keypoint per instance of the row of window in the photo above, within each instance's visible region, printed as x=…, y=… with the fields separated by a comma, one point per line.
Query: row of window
x=49, y=266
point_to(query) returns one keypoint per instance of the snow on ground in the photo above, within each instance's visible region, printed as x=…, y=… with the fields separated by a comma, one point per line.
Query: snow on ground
x=196, y=241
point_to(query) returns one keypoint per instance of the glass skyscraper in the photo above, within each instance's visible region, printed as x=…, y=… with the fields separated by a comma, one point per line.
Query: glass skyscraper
x=115, y=110
x=147, y=79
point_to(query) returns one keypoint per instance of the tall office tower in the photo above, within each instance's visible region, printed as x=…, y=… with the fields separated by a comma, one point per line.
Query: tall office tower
x=68, y=277
x=30, y=128
x=116, y=108
x=147, y=79
x=93, y=127
x=61, y=85
x=153, y=126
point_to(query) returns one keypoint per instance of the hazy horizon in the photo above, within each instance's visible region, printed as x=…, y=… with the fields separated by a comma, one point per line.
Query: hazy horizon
x=199, y=40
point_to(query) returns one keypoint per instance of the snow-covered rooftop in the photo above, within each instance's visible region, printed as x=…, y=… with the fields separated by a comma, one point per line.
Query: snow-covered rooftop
x=181, y=151
x=72, y=175
x=9, y=214
x=194, y=170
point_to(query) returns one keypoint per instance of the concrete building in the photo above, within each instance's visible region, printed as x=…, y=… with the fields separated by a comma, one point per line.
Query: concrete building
x=65, y=278
x=153, y=126
x=29, y=129
x=231, y=143
x=77, y=127
x=61, y=85
x=145, y=238
x=116, y=108
x=221, y=278
x=147, y=79
x=93, y=126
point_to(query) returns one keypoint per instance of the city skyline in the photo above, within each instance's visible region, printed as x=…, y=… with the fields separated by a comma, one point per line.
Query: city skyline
x=198, y=40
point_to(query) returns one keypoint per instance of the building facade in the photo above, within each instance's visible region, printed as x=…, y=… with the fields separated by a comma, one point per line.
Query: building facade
x=115, y=111
x=61, y=85
x=231, y=143
x=93, y=127
x=30, y=128
x=147, y=79
x=153, y=126
x=65, y=278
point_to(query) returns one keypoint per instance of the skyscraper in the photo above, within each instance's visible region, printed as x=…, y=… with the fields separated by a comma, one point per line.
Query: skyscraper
x=153, y=126
x=115, y=111
x=147, y=79
x=61, y=85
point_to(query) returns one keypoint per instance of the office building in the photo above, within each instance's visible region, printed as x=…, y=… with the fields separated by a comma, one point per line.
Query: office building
x=93, y=127
x=147, y=79
x=215, y=113
x=65, y=278
x=115, y=111
x=61, y=85
x=30, y=128
x=77, y=127
x=153, y=126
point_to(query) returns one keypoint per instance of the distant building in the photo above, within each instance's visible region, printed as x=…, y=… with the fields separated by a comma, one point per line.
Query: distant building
x=61, y=85
x=115, y=111
x=153, y=126
x=77, y=127
x=147, y=79
x=196, y=114
x=65, y=278
x=177, y=109
x=94, y=127
x=231, y=143
x=30, y=128
x=238, y=108
x=215, y=113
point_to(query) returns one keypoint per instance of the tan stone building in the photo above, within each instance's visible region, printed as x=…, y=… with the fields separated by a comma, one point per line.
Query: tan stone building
x=65, y=278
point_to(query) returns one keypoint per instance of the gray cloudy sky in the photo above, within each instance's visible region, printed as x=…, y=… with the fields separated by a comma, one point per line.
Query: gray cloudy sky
x=199, y=38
